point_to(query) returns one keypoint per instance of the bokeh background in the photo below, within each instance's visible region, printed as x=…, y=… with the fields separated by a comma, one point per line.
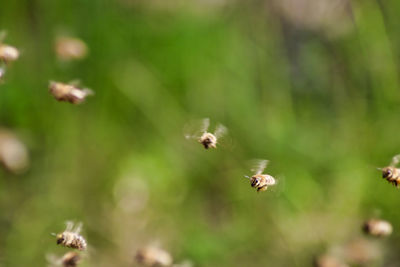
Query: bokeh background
x=313, y=86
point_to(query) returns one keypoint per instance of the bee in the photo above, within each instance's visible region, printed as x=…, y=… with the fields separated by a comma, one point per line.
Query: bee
x=378, y=228
x=261, y=181
x=153, y=256
x=8, y=53
x=70, y=259
x=391, y=173
x=14, y=155
x=71, y=238
x=69, y=92
x=69, y=48
x=207, y=139
x=327, y=260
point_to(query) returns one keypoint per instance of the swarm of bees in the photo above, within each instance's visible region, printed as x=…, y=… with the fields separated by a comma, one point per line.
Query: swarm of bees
x=69, y=259
x=69, y=92
x=391, y=173
x=71, y=237
x=258, y=180
x=207, y=139
x=153, y=256
x=69, y=48
x=8, y=54
x=378, y=228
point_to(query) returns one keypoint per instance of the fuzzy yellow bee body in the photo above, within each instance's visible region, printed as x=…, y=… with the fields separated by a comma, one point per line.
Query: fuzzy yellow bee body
x=153, y=256
x=71, y=238
x=207, y=139
x=8, y=53
x=261, y=181
x=69, y=93
x=378, y=228
x=391, y=173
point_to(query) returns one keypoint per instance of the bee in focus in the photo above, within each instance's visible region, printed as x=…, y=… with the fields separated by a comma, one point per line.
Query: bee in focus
x=378, y=228
x=69, y=92
x=153, y=256
x=70, y=259
x=71, y=238
x=258, y=180
x=8, y=53
x=207, y=139
x=391, y=173
x=69, y=48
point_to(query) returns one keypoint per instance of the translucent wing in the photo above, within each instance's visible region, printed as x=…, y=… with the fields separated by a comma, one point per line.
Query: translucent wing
x=76, y=83
x=194, y=130
x=395, y=160
x=3, y=35
x=205, y=124
x=78, y=228
x=88, y=91
x=259, y=166
x=69, y=226
x=220, y=131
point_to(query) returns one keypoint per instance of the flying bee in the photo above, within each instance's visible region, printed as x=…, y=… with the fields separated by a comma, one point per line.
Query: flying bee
x=71, y=238
x=153, y=256
x=14, y=154
x=259, y=180
x=207, y=139
x=8, y=53
x=70, y=259
x=391, y=173
x=69, y=48
x=69, y=92
x=378, y=228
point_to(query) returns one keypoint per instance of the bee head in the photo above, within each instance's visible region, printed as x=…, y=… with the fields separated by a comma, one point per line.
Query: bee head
x=387, y=172
x=60, y=238
x=255, y=181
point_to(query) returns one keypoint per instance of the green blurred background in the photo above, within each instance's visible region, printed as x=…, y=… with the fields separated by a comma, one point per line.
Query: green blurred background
x=313, y=86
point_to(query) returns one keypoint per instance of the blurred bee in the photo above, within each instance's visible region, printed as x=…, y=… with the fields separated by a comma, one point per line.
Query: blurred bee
x=70, y=259
x=327, y=260
x=14, y=155
x=207, y=139
x=378, y=228
x=69, y=92
x=71, y=238
x=8, y=53
x=153, y=256
x=391, y=173
x=69, y=48
x=258, y=180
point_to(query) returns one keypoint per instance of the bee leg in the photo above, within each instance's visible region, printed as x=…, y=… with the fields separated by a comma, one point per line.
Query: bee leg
x=263, y=188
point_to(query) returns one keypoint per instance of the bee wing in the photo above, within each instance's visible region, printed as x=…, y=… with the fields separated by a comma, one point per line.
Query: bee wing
x=395, y=160
x=78, y=228
x=3, y=35
x=259, y=165
x=88, y=91
x=194, y=130
x=76, y=83
x=69, y=226
x=220, y=131
x=205, y=123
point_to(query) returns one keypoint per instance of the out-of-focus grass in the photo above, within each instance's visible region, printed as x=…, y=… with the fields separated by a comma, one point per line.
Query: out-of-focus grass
x=323, y=108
